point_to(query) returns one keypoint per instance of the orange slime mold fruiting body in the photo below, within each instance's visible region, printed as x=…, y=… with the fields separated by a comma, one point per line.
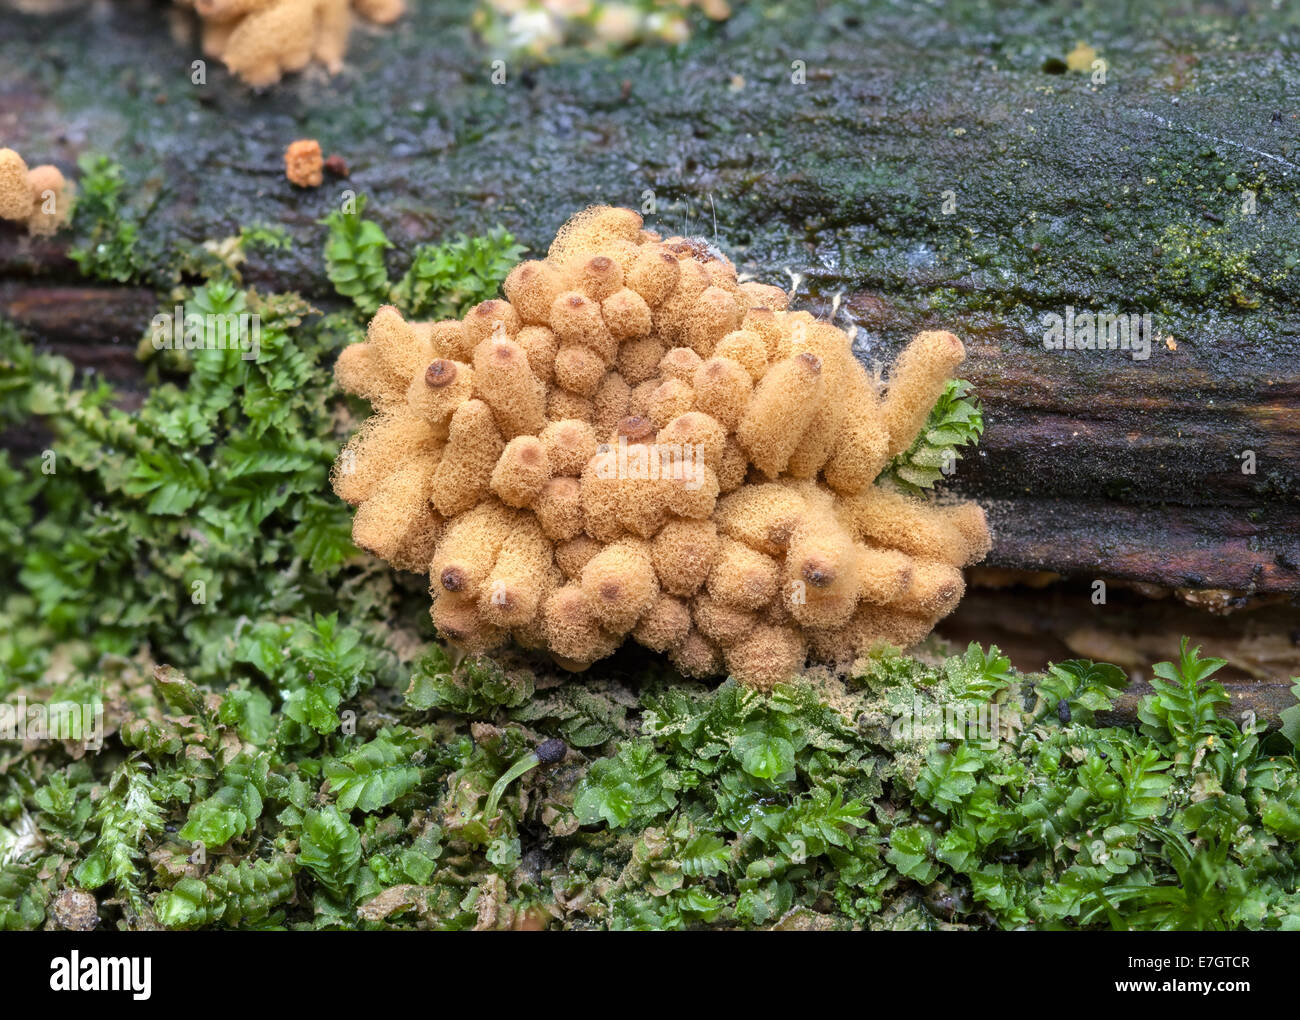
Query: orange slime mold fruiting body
x=261, y=40
x=633, y=446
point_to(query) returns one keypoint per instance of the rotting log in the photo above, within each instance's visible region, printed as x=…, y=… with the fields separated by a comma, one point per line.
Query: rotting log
x=930, y=170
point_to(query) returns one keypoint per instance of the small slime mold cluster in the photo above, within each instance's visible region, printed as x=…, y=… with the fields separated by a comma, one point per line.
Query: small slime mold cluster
x=40, y=197
x=261, y=40
x=633, y=444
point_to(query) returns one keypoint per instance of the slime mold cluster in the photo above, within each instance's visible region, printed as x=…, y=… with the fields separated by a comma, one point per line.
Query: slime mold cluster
x=261, y=40
x=40, y=197
x=633, y=444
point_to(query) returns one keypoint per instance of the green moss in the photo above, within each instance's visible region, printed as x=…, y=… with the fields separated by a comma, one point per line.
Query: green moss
x=442, y=281
x=912, y=795
x=954, y=422
x=111, y=232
